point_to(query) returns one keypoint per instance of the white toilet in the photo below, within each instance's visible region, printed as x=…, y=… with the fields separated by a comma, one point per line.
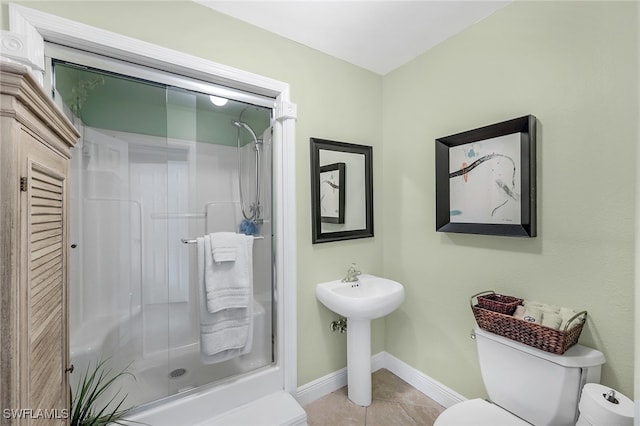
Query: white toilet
x=526, y=385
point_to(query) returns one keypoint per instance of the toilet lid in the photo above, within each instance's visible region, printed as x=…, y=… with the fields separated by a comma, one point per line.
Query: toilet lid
x=478, y=412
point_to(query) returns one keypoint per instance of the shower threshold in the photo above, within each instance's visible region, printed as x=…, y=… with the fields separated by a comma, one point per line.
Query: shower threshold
x=279, y=408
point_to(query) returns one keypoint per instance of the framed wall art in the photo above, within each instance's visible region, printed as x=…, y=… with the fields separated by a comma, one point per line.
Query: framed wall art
x=486, y=180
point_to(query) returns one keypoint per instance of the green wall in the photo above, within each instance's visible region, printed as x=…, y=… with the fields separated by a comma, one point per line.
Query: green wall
x=572, y=65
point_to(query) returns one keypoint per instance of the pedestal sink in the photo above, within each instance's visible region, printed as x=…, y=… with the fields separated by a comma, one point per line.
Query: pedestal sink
x=360, y=301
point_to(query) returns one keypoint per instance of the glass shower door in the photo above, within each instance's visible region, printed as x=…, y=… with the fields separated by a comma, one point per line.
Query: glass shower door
x=184, y=219
x=158, y=164
x=121, y=154
x=203, y=195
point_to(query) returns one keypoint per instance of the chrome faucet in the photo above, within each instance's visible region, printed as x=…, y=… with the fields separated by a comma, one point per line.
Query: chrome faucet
x=352, y=274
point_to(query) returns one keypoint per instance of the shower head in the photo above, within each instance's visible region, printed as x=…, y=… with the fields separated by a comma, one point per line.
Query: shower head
x=242, y=124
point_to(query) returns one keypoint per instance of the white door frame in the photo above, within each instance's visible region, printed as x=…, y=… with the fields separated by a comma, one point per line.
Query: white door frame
x=37, y=27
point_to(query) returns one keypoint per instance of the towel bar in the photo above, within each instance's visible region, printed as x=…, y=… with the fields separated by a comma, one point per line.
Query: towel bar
x=193, y=241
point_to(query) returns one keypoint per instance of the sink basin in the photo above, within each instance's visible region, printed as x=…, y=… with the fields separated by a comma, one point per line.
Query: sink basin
x=368, y=298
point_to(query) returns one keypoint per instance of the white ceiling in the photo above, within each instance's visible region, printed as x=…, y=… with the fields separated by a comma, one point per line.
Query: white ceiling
x=376, y=35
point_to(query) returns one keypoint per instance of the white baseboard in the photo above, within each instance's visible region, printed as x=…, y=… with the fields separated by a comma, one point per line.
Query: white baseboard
x=432, y=388
x=322, y=386
x=435, y=390
x=378, y=361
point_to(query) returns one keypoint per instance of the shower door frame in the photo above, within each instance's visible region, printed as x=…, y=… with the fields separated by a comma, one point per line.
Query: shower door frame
x=39, y=27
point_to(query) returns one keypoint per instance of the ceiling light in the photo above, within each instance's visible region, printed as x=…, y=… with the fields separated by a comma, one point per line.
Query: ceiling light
x=217, y=100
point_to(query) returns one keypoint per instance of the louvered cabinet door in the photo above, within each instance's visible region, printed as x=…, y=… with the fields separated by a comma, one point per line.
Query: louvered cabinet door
x=35, y=147
x=43, y=280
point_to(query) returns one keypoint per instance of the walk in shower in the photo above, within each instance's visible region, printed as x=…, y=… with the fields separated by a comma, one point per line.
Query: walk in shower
x=157, y=166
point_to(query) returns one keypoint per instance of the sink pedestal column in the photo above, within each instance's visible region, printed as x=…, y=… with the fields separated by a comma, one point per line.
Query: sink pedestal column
x=359, y=361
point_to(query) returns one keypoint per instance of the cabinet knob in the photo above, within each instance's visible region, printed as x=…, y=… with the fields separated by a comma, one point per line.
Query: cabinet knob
x=69, y=369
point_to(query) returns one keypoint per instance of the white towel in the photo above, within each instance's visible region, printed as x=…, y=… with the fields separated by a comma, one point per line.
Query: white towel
x=224, y=254
x=520, y=311
x=551, y=320
x=550, y=315
x=545, y=308
x=228, y=284
x=567, y=314
x=532, y=314
x=227, y=333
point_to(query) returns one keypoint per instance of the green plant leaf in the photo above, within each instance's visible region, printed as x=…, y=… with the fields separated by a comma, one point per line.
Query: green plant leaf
x=92, y=385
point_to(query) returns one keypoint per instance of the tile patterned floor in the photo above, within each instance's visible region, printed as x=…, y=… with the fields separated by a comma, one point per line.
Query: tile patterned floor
x=394, y=402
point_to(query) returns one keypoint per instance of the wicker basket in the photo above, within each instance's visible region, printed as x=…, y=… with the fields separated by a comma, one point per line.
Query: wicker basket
x=498, y=303
x=532, y=334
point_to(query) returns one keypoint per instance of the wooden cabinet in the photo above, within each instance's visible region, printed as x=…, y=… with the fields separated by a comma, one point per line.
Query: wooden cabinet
x=34, y=167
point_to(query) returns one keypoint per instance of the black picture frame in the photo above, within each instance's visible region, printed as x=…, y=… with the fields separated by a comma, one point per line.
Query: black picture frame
x=347, y=232
x=518, y=134
x=338, y=185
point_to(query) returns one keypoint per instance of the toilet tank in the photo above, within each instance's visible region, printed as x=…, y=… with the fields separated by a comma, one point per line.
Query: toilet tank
x=537, y=386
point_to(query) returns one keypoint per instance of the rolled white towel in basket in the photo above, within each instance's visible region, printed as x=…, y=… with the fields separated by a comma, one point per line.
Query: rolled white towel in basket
x=547, y=315
x=532, y=314
x=544, y=307
x=551, y=320
x=566, y=314
x=519, y=313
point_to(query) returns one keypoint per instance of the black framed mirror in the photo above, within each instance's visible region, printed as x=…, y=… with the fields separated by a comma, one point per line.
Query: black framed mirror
x=341, y=191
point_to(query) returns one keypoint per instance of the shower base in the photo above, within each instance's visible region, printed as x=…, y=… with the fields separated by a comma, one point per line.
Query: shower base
x=253, y=398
